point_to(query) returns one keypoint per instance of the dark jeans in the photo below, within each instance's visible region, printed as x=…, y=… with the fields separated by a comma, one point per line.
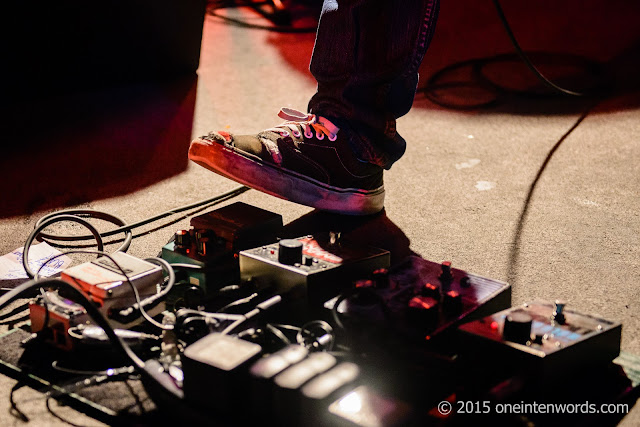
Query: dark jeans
x=366, y=60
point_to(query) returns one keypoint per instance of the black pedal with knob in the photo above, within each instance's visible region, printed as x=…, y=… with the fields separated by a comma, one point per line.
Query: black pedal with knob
x=541, y=340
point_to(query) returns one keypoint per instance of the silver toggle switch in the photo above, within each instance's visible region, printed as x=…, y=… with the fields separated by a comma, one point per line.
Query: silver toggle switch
x=558, y=311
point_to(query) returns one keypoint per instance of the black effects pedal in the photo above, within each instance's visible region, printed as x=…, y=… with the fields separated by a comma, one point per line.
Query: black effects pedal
x=543, y=340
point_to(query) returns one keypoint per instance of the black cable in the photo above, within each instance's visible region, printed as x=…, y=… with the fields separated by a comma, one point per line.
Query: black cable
x=108, y=372
x=212, y=200
x=278, y=333
x=517, y=236
x=185, y=316
x=15, y=311
x=276, y=29
x=47, y=315
x=91, y=213
x=138, y=403
x=52, y=412
x=264, y=305
x=433, y=86
x=99, y=378
x=587, y=66
x=238, y=302
x=524, y=57
x=207, y=319
x=488, y=93
x=186, y=313
x=13, y=322
x=46, y=223
x=15, y=411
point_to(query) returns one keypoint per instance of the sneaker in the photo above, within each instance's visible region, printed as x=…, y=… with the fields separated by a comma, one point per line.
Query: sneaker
x=306, y=160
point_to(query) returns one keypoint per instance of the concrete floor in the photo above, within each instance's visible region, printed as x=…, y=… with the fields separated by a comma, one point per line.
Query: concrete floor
x=463, y=192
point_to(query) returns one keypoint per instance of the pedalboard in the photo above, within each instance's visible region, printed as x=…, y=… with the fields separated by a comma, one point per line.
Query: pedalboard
x=422, y=299
x=312, y=268
x=214, y=240
x=408, y=338
x=542, y=340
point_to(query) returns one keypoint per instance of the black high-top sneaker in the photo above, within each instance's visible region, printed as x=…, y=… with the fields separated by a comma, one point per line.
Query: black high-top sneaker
x=306, y=159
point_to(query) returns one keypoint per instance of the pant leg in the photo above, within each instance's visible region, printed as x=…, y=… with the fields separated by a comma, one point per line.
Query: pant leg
x=366, y=59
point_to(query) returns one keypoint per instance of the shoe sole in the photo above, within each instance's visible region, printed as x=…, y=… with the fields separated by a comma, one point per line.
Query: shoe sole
x=283, y=183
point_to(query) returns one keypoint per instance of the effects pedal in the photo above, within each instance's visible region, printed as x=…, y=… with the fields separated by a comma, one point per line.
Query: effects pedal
x=52, y=316
x=215, y=371
x=542, y=340
x=311, y=268
x=107, y=286
x=214, y=240
x=421, y=299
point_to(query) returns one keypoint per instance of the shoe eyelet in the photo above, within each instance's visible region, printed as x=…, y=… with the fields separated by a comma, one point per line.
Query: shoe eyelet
x=332, y=137
x=320, y=136
x=296, y=133
x=284, y=133
x=308, y=135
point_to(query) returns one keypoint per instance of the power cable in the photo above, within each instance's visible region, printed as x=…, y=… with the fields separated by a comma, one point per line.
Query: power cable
x=69, y=238
x=526, y=59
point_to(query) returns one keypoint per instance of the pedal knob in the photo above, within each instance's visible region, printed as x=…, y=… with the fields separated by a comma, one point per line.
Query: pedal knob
x=430, y=290
x=465, y=282
x=424, y=311
x=517, y=327
x=446, y=277
x=558, y=312
x=290, y=252
x=380, y=277
x=452, y=303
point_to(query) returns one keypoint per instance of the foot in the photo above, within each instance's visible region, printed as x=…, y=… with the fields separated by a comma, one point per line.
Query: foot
x=306, y=159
